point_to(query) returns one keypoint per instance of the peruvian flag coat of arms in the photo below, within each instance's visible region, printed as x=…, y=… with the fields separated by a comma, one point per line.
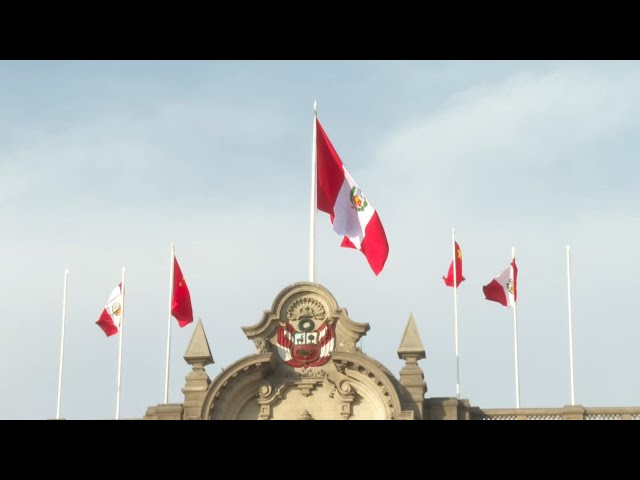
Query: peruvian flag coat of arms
x=307, y=339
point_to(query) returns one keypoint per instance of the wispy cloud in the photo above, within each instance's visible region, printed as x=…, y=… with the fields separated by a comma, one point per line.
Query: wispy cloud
x=529, y=140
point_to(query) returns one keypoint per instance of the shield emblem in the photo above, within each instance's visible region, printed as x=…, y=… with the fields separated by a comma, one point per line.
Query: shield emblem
x=308, y=348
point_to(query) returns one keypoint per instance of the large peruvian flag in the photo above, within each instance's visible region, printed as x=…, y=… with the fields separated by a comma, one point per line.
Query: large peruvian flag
x=111, y=316
x=504, y=288
x=352, y=215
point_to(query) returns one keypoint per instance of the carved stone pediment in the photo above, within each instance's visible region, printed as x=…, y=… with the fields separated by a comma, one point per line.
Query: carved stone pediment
x=304, y=325
x=339, y=393
x=306, y=366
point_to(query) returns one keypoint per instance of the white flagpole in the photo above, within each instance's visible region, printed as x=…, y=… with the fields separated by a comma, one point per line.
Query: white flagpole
x=455, y=311
x=314, y=198
x=515, y=334
x=166, y=377
x=64, y=316
x=120, y=351
x=573, y=391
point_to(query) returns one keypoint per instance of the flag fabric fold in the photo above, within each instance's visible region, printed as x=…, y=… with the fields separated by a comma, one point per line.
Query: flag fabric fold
x=504, y=288
x=448, y=280
x=111, y=316
x=181, y=299
x=351, y=213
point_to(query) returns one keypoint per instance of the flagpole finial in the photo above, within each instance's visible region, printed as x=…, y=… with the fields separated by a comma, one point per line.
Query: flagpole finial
x=315, y=108
x=513, y=252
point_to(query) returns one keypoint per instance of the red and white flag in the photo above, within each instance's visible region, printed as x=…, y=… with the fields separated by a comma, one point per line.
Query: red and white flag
x=111, y=317
x=448, y=280
x=504, y=288
x=352, y=215
x=181, y=299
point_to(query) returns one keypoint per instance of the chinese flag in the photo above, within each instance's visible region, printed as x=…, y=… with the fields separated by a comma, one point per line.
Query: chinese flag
x=448, y=280
x=181, y=302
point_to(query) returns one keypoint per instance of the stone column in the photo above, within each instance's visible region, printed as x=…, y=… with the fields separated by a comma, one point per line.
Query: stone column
x=411, y=375
x=198, y=355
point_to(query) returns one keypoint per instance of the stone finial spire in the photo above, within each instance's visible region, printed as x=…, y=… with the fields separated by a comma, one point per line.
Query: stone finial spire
x=198, y=351
x=198, y=355
x=411, y=376
x=411, y=349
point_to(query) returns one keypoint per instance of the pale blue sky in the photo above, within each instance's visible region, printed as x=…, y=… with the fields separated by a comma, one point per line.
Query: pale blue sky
x=103, y=164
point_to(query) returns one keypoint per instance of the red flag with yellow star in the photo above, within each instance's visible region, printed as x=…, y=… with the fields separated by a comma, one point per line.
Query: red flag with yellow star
x=181, y=299
x=448, y=280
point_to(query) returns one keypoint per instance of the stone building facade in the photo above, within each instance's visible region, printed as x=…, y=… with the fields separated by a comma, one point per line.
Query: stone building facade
x=307, y=366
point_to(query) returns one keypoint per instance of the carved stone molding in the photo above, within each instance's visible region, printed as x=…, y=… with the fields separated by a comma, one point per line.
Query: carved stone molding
x=306, y=307
x=245, y=372
x=344, y=393
x=346, y=346
x=368, y=373
x=262, y=345
x=307, y=372
x=268, y=396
